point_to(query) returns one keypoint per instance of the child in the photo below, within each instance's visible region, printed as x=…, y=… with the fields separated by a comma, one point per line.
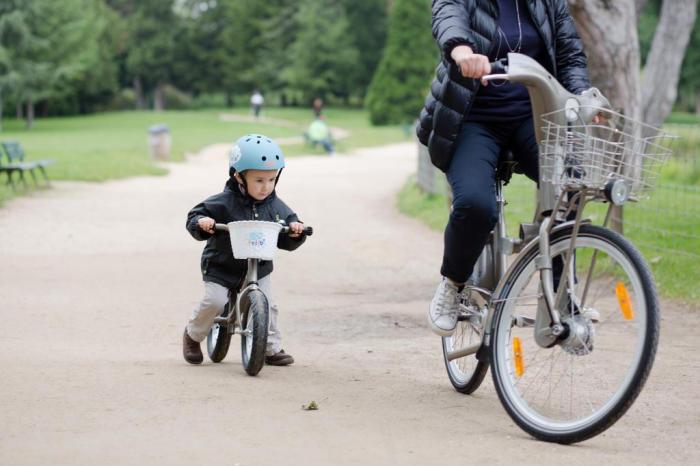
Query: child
x=255, y=165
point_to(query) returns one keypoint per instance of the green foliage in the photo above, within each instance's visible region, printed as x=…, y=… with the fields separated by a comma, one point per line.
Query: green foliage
x=663, y=228
x=322, y=59
x=56, y=52
x=398, y=88
x=151, y=44
x=367, y=31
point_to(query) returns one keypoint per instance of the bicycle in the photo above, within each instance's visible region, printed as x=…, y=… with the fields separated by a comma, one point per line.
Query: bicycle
x=570, y=328
x=247, y=311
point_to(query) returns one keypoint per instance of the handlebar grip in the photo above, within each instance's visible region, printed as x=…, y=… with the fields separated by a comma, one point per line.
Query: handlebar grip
x=308, y=231
x=499, y=66
x=222, y=227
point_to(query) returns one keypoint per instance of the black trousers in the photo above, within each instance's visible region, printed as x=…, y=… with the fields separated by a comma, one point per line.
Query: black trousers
x=472, y=176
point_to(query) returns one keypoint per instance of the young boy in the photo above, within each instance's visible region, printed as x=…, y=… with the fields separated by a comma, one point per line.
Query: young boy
x=255, y=165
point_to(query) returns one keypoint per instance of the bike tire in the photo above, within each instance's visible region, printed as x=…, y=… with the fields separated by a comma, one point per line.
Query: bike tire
x=467, y=373
x=218, y=339
x=254, y=317
x=640, y=342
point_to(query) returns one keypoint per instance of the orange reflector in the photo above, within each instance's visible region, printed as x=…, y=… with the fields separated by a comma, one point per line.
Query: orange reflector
x=623, y=297
x=518, y=356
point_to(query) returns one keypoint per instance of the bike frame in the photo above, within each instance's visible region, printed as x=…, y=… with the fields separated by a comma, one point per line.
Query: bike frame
x=547, y=96
x=233, y=319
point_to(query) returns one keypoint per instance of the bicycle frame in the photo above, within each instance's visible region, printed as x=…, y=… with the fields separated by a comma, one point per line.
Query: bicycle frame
x=547, y=96
x=234, y=318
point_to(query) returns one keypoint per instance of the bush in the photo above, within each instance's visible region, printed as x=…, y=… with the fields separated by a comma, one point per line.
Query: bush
x=124, y=100
x=175, y=99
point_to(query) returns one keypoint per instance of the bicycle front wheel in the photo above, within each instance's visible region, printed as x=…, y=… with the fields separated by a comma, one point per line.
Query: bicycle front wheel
x=585, y=382
x=254, y=322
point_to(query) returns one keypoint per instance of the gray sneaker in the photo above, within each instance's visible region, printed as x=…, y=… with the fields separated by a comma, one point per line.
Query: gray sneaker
x=443, y=310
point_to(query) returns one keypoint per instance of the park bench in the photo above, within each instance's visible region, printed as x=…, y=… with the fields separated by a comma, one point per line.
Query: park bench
x=16, y=162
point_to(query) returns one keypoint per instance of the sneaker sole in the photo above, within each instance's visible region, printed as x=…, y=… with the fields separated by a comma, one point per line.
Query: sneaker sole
x=439, y=331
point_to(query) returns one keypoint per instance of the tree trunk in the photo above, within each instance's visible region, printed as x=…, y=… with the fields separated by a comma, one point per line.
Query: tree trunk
x=1, y=105
x=609, y=34
x=640, y=4
x=19, y=111
x=159, y=98
x=663, y=67
x=229, y=99
x=138, y=90
x=30, y=113
x=697, y=101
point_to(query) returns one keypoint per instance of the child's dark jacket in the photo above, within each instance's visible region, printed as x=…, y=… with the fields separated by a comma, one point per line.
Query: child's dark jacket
x=218, y=264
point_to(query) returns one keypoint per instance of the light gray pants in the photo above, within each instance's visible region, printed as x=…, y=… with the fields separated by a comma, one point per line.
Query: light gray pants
x=213, y=302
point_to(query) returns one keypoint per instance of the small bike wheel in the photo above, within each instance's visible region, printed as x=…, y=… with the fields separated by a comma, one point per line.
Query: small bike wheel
x=467, y=372
x=254, y=328
x=587, y=380
x=218, y=340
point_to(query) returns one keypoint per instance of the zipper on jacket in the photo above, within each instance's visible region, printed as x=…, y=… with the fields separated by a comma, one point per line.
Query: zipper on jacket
x=255, y=212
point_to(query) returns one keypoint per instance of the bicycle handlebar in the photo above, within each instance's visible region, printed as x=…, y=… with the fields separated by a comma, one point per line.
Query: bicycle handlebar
x=308, y=231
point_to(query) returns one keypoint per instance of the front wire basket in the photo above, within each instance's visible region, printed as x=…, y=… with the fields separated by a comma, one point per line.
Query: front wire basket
x=576, y=156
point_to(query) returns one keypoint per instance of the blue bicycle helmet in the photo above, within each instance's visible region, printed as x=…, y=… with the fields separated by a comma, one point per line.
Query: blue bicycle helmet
x=255, y=152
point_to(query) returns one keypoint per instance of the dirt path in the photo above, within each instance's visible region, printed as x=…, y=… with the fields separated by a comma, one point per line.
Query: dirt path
x=97, y=281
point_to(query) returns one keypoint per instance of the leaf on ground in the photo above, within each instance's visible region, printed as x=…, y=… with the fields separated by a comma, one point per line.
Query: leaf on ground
x=312, y=406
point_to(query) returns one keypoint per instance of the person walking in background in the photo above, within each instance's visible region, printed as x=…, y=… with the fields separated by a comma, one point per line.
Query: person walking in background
x=256, y=102
x=317, y=106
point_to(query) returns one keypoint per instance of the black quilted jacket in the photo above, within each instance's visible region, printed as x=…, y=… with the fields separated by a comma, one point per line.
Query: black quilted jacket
x=474, y=23
x=218, y=264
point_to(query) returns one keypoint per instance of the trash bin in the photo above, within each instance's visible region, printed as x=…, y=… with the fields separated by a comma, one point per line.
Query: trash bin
x=159, y=141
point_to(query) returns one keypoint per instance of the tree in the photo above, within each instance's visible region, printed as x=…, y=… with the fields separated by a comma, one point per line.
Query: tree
x=151, y=47
x=321, y=58
x=54, y=47
x=367, y=31
x=609, y=32
x=398, y=87
x=12, y=36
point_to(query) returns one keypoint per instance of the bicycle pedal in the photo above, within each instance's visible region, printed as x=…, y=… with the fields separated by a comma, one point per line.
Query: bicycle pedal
x=522, y=321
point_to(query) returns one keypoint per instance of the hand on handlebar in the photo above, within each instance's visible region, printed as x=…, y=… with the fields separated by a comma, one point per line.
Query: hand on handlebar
x=207, y=224
x=471, y=65
x=296, y=229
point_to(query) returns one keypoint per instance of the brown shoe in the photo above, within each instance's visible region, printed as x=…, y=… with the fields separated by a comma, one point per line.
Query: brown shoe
x=279, y=359
x=191, y=350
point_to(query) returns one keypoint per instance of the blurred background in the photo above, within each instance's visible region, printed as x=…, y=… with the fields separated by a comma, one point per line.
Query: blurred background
x=83, y=81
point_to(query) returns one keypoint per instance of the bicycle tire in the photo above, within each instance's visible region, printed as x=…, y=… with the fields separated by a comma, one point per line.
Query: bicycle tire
x=254, y=317
x=467, y=373
x=643, y=328
x=218, y=339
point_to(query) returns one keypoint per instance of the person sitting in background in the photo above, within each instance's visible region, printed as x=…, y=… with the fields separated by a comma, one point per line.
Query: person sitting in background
x=319, y=133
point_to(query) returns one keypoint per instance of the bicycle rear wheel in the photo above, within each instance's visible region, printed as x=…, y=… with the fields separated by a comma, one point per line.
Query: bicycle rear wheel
x=585, y=382
x=218, y=339
x=254, y=328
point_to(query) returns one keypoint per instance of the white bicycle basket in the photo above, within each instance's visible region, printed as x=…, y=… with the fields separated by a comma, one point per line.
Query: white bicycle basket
x=251, y=239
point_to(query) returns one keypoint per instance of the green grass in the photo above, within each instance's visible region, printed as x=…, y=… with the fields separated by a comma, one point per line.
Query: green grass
x=356, y=121
x=665, y=228
x=115, y=145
